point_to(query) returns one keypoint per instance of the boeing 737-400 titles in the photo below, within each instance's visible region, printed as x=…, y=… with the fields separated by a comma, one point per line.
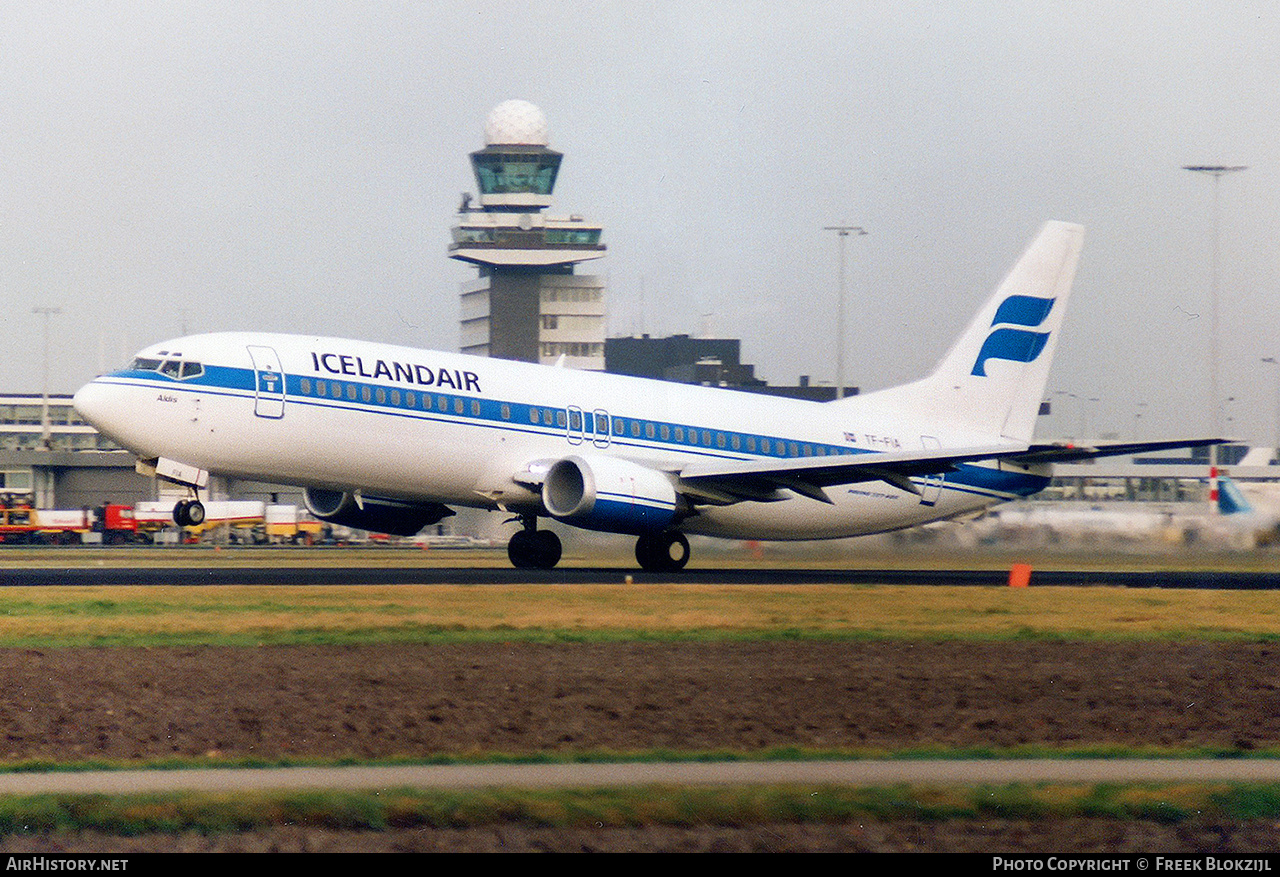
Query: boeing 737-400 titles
x=389, y=439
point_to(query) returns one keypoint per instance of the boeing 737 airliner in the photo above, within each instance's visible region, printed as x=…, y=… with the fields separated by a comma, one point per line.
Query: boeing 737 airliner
x=388, y=438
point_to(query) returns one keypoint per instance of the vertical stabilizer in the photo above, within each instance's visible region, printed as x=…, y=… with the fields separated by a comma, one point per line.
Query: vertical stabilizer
x=993, y=379
x=1230, y=500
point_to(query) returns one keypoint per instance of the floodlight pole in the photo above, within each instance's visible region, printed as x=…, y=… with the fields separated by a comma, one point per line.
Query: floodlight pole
x=1217, y=171
x=843, y=231
x=1271, y=360
x=46, y=433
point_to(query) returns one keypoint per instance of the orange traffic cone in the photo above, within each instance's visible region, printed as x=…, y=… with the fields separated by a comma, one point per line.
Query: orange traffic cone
x=1020, y=575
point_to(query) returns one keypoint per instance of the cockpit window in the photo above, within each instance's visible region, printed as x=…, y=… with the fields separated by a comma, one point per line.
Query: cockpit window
x=179, y=369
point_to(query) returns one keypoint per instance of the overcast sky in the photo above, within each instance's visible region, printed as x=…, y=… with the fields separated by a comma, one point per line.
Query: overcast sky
x=169, y=167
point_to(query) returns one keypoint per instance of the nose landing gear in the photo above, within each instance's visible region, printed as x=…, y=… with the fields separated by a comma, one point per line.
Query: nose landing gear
x=189, y=513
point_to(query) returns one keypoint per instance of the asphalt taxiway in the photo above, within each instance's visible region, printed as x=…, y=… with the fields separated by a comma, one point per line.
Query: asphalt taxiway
x=827, y=773
x=284, y=575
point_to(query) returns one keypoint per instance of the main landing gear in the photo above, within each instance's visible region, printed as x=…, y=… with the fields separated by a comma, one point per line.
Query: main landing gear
x=532, y=548
x=662, y=552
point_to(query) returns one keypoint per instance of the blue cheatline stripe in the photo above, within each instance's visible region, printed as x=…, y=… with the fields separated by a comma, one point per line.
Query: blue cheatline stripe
x=982, y=481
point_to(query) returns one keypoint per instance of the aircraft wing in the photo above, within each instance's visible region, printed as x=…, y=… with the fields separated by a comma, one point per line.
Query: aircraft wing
x=761, y=480
x=734, y=481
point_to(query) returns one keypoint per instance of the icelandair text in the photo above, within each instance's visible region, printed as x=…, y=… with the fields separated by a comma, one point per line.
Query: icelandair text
x=408, y=373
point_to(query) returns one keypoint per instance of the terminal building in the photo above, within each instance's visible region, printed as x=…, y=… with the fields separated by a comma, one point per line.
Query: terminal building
x=527, y=303
x=708, y=362
x=50, y=458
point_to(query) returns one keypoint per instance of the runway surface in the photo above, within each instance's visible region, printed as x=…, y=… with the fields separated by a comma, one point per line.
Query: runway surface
x=838, y=773
x=431, y=575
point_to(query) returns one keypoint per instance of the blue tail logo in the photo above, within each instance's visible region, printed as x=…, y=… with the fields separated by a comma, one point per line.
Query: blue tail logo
x=1015, y=345
x=1230, y=500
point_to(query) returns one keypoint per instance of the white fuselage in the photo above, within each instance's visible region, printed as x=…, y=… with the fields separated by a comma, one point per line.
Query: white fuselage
x=431, y=426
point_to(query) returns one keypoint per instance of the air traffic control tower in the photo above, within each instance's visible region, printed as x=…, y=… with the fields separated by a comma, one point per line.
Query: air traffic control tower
x=527, y=304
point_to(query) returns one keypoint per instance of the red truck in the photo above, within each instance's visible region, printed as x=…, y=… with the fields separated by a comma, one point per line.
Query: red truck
x=24, y=525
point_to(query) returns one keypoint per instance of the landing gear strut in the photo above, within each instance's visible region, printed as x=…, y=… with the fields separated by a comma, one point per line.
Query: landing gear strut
x=662, y=552
x=532, y=548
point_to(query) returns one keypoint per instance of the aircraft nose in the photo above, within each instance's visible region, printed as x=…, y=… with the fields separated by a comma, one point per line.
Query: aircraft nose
x=91, y=403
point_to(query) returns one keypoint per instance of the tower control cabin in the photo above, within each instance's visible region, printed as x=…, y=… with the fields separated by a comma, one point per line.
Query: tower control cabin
x=527, y=304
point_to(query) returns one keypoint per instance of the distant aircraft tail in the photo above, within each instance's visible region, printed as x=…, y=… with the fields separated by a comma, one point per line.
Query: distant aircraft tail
x=993, y=379
x=1230, y=500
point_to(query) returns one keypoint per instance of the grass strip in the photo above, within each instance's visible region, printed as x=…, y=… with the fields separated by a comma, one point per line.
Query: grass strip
x=64, y=616
x=649, y=756
x=134, y=815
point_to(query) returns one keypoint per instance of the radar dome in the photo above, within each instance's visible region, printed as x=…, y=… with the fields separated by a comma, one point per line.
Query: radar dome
x=516, y=122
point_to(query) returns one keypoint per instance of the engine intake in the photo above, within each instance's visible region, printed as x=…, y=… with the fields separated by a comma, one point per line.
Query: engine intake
x=609, y=495
x=374, y=514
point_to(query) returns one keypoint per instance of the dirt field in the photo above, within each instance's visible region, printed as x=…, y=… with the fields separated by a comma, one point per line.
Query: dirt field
x=395, y=700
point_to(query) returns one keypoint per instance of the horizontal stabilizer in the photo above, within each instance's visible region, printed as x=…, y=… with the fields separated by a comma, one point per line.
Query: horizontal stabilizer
x=1072, y=452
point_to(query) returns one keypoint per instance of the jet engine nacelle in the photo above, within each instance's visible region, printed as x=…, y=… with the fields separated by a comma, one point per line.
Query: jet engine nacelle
x=374, y=514
x=614, y=496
